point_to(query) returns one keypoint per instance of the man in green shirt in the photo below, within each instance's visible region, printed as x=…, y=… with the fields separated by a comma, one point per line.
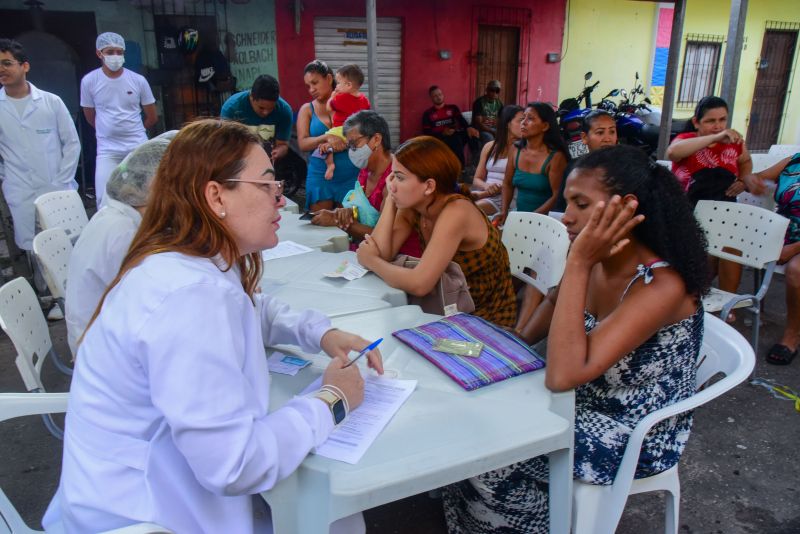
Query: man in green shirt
x=485, y=111
x=265, y=111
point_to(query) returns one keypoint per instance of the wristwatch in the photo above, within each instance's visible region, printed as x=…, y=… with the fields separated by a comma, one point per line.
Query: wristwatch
x=335, y=404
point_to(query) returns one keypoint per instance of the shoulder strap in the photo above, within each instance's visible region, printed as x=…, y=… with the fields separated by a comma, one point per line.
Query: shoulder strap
x=516, y=162
x=645, y=272
x=547, y=161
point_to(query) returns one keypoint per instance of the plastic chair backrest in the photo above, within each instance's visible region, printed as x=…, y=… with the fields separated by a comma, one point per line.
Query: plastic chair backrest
x=724, y=351
x=539, y=243
x=764, y=161
x=756, y=232
x=784, y=151
x=62, y=209
x=53, y=249
x=665, y=163
x=22, y=319
x=766, y=201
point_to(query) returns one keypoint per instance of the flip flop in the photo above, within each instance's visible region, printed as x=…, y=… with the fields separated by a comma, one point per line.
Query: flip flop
x=780, y=355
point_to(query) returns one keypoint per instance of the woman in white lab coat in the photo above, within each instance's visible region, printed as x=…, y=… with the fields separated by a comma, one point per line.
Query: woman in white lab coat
x=168, y=418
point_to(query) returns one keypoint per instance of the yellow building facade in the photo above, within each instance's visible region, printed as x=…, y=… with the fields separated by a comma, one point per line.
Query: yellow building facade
x=615, y=39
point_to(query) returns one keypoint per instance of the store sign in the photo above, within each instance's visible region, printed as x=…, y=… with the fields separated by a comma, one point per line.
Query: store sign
x=351, y=36
x=255, y=54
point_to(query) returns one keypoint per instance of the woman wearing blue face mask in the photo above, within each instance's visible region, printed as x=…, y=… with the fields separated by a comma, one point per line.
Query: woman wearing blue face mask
x=369, y=146
x=313, y=120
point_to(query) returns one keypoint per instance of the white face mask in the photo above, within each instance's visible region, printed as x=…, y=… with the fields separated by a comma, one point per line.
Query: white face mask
x=114, y=63
x=360, y=156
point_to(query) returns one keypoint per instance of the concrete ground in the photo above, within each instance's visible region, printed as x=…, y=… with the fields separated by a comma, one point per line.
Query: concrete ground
x=739, y=472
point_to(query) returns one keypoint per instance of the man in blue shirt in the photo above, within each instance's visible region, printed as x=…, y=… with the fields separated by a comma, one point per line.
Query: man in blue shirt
x=265, y=111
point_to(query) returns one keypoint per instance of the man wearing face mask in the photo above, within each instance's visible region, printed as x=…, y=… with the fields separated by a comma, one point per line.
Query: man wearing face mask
x=113, y=99
x=369, y=149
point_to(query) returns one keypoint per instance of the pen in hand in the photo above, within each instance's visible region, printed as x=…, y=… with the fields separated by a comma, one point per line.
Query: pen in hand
x=363, y=352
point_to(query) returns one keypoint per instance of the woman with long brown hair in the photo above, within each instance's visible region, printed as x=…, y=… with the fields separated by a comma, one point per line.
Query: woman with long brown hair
x=169, y=418
x=424, y=197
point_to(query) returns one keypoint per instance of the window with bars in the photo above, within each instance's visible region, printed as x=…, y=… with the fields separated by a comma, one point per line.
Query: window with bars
x=700, y=66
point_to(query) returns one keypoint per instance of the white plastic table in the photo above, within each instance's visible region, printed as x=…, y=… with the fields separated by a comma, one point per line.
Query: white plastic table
x=327, y=238
x=308, y=271
x=331, y=303
x=291, y=206
x=441, y=435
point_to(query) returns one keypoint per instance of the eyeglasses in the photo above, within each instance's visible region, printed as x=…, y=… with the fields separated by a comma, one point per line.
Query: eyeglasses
x=351, y=145
x=265, y=185
x=7, y=64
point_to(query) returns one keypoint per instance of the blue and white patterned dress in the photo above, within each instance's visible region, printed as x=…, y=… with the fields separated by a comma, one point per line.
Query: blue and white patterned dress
x=658, y=373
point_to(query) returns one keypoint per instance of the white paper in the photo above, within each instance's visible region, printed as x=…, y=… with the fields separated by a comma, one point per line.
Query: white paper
x=286, y=364
x=284, y=249
x=348, y=270
x=382, y=398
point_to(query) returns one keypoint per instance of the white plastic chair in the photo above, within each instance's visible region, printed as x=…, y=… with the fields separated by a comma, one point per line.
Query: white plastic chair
x=764, y=161
x=23, y=321
x=766, y=201
x=53, y=248
x=597, y=509
x=784, y=151
x=537, y=243
x=757, y=234
x=665, y=163
x=24, y=404
x=62, y=209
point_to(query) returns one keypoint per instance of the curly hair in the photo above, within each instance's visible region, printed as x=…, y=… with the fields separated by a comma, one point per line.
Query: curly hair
x=669, y=228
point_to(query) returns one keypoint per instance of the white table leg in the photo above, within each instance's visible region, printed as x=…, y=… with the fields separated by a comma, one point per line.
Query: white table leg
x=560, y=491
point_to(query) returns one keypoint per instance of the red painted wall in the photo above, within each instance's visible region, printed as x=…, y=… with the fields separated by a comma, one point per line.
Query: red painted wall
x=421, y=66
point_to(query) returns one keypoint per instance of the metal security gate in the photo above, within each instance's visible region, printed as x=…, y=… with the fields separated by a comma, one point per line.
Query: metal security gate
x=342, y=40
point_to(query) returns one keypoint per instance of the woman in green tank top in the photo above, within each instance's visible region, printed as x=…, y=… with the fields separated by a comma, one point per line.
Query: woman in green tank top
x=536, y=163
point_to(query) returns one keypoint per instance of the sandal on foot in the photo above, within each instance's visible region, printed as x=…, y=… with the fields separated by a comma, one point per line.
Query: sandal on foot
x=780, y=355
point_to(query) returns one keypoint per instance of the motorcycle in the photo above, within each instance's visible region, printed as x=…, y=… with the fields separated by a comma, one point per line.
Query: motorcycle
x=638, y=123
x=570, y=117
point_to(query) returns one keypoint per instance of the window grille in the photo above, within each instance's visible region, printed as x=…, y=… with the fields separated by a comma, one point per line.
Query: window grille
x=700, y=67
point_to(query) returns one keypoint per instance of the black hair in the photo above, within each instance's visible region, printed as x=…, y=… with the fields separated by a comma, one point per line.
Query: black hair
x=352, y=73
x=552, y=137
x=265, y=88
x=706, y=104
x=669, y=228
x=432, y=88
x=592, y=116
x=319, y=67
x=500, y=146
x=369, y=123
x=15, y=49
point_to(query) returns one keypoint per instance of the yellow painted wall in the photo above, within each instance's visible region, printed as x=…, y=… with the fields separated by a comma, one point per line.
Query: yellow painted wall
x=614, y=38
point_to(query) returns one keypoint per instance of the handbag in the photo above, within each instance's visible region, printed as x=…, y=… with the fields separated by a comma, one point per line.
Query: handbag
x=449, y=296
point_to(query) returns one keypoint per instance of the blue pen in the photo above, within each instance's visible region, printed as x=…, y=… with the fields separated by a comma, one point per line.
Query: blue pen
x=363, y=352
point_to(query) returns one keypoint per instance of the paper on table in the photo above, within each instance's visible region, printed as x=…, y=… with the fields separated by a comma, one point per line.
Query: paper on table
x=348, y=270
x=284, y=249
x=382, y=398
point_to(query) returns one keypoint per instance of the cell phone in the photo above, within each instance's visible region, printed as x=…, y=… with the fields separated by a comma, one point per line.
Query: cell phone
x=307, y=216
x=459, y=347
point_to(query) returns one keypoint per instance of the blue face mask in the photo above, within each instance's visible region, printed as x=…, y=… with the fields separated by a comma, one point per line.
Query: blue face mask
x=360, y=156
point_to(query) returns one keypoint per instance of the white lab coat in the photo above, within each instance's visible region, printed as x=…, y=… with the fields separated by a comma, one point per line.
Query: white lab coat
x=95, y=262
x=168, y=418
x=40, y=153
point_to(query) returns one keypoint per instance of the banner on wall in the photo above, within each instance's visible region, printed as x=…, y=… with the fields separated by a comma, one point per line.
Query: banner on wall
x=661, y=55
x=251, y=42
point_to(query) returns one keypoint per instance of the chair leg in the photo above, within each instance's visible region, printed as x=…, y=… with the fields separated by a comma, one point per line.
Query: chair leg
x=59, y=363
x=756, y=325
x=52, y=427
x=672, y=512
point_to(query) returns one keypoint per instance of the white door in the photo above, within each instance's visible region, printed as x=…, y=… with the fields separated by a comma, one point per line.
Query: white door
x=342, y=40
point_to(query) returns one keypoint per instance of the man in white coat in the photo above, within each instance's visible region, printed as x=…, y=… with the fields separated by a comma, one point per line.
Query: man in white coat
x=39, y=145
x=102, y=245
x=113, y=99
